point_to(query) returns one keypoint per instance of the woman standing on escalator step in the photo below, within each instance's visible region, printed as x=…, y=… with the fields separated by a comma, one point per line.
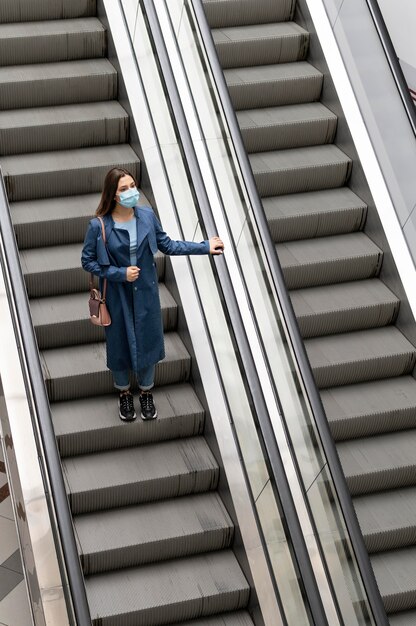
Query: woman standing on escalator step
x=133, y=235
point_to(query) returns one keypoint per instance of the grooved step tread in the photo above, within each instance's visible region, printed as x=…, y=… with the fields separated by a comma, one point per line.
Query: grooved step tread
x=92, y=424
x=380, y=462
x=24, y=11
x=314, y=214
x=387, y=519
x=133, y=475
x=327, y=260
x=277, y=128
x=344, y=307
x=240, y=618
x=63, y=127
x=153, y=532
x=395, y=573
x=300, y=169
x=222, y=13
x=164, y=592
x=51, y=41
x=405, y=618
x=81, y=371
x=260, y=44
x=371, y=408
x=360, y=356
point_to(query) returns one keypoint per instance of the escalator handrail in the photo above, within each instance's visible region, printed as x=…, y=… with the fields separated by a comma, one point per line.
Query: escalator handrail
x=41, y=409
x=298, y=346
x=393, y=61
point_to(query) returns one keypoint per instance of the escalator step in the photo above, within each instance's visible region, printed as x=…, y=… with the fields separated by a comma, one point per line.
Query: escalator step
x=299, y=170
x=153, y=472
x=160, y=593
x=314, y=214
x=57, y=270
x=360, y=356
x=47, y=84
x=51, y=41
x=60, y=173
x=261, y=44
x=81, y=371
x=371, y=408
x=153, y=532
x=93, y=425
x=387, y=519
x=405, y=618
x=273, y=85
x=396, y=578
x=279, y=128
x=380, y=462
x=28, y=10
x=64, y=127
x=328, y=260
x=222, y=13
x=240, y=618
x=345, y=307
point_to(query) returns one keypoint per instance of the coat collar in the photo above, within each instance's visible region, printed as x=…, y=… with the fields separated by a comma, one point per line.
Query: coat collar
x=143, y=227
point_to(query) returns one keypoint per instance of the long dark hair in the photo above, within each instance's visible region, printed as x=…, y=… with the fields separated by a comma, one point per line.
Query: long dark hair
x=107, y=202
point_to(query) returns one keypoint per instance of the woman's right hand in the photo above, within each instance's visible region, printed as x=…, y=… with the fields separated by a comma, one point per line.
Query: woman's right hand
x=132, y=273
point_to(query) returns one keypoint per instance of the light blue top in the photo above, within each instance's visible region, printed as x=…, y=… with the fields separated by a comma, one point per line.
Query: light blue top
x=130, y=226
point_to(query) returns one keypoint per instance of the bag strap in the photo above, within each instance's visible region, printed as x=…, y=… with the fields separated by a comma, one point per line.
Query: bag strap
x=92, y=275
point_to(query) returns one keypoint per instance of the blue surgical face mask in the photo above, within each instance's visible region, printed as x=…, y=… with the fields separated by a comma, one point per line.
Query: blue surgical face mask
x=129, y=198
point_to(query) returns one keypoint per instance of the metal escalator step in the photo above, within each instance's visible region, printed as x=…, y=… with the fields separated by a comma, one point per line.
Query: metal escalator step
x=395, y=573
x=380, y=462
x=360, y=356
x=300, y=169
x=66, y=172
x=156, y=471
x=314, y=214
x=273, y=85
x=48, y=84
x=260, y=44
x=405, y=618
x=371, y=408
x=28, y=10
x=329, y=260
x=153, y=532
x=279, y=128
x=93, y=425
x=344, y=307
x=63, y=320
x=64, y=127
x=81, y=371
x=51, y=40
x=387, y=519
x=160, y=593
x=240, y=618
x=221, y=13
x=57, y=270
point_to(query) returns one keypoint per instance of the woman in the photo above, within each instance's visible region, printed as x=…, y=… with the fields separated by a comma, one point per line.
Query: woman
x=133, y=235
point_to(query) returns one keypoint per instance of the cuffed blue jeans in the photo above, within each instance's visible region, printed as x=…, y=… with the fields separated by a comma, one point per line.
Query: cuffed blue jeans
x=145, y=378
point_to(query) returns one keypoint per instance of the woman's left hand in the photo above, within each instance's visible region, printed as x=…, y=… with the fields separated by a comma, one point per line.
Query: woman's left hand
x=216, y=246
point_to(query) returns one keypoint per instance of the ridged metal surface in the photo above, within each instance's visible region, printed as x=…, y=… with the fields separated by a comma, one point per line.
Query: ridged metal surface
x=154, y=532
x=405, y=618
x=158, y=594
x=117, y=478
x=51, y=41
x=396, y=577
x=66, y=127
x=260, y=44
x=47, y=84
x=273, y=85
x=360, y=356
x=80, y=371
x=222, y=13
x=240, y=618
x=28, y=10
x=92, y=424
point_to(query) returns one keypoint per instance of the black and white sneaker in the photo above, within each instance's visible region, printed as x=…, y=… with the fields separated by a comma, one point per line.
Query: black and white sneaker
x=126, y=406
x=147, y=405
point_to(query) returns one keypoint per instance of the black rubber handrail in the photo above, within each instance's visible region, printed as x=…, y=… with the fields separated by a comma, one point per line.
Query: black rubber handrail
x=393, y=61
x=51, y=459
x=276, y=464
x=340, y=485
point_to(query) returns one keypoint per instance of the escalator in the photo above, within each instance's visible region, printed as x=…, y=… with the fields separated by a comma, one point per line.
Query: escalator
x=362, y=363
x=154, y=537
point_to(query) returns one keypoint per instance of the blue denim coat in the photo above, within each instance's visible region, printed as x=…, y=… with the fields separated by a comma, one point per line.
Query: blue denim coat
x=135, y=336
